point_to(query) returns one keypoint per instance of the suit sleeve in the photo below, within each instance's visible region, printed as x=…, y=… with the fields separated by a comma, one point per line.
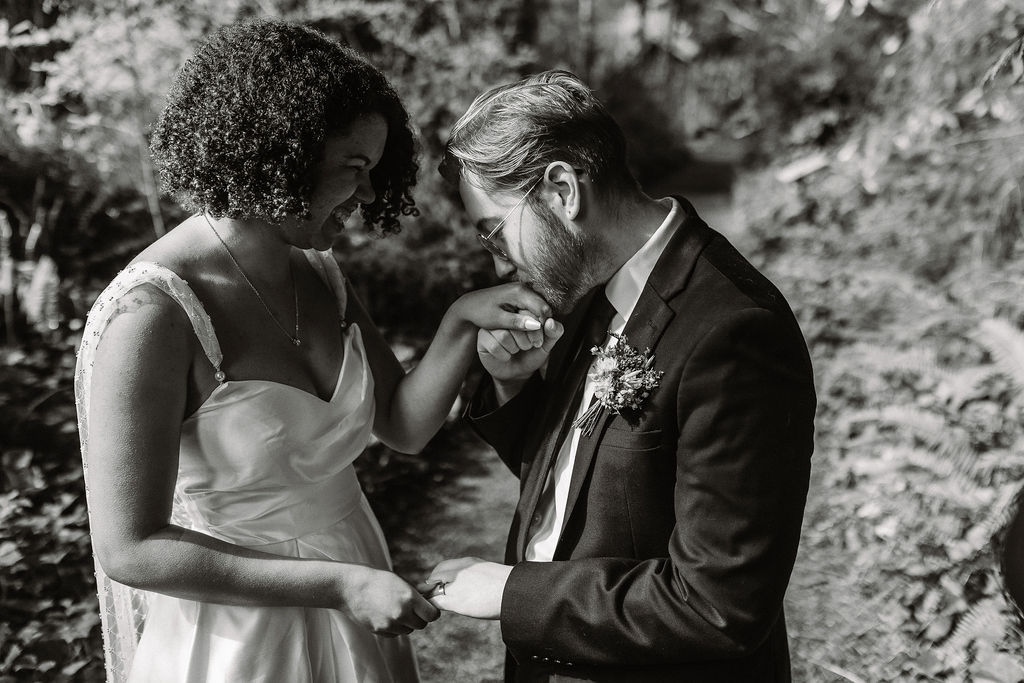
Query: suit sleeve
x=745, y=408
x=503, y=427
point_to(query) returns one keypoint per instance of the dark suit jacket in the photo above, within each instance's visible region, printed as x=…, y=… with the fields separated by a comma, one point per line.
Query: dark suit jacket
x=683, y=518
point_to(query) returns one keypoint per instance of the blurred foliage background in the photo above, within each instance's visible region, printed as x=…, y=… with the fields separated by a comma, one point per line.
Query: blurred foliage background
x=868, y=151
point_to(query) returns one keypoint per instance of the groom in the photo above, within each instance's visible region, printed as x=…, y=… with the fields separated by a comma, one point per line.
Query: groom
x=655, y=543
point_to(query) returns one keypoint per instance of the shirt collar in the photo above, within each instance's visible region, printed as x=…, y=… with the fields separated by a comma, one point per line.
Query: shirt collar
x=624, y=288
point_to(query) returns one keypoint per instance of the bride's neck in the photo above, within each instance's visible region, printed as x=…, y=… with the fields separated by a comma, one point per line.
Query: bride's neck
x=258, y=247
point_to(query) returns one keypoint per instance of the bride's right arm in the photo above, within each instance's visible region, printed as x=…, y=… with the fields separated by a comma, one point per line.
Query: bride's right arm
x=137, y=404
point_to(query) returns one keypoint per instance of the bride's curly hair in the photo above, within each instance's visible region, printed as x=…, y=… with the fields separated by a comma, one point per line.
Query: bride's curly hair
x=248, y=115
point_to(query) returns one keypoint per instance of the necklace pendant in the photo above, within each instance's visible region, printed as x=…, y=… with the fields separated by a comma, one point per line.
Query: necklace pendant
x=296, y=341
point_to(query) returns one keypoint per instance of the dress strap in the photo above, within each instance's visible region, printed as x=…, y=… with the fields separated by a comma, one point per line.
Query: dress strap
x=170, y=283
x=326, y=266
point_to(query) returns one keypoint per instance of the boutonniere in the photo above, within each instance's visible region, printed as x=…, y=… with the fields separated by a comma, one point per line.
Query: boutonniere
x=622, y=378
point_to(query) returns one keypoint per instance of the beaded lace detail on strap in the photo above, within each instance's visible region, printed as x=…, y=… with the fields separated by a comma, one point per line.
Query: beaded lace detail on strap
x=123, y=609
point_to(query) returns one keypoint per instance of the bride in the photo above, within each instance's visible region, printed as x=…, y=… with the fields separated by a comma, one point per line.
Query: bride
x=228, y=378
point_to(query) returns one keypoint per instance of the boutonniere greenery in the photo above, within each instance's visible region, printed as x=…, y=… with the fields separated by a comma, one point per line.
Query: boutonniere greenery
x=623, y=377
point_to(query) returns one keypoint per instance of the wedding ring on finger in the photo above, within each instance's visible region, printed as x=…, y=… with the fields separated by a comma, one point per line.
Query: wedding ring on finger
x=437, y=590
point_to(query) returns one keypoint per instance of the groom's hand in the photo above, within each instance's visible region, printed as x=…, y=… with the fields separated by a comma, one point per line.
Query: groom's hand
x=511, y=357
x=471, y=587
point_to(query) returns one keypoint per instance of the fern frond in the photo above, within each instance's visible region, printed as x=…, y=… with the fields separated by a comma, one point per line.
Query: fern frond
x=947, y=441
x=941, y=468
x=1015, y=50
x=952, y=489
x=1000, y=512
x=985, y=622
x=965, y=496
x=994, y=462
x=887, y=360
x=925, y=325
x=1006, y=344
x=984, y=535
x=960, y=386
x=917, y=421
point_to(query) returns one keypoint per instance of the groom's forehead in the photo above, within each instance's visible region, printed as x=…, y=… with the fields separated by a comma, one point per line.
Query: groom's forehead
x=478, y=203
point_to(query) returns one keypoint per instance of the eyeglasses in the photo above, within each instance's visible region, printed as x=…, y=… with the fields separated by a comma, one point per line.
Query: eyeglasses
x=488, y=239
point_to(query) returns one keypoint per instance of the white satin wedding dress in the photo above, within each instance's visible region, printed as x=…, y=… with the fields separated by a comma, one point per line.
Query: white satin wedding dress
x=266, y=466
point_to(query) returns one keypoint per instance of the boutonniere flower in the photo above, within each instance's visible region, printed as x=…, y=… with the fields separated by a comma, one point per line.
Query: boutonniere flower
x=623, y=377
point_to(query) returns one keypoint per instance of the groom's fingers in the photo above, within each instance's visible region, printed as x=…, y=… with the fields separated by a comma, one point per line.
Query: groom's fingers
x=486, y=343
x=414, y=622
x=507, y=340
x=529, y=300
x=552, y=333
x=425, y=610
x=534, y=337
x=522, y=339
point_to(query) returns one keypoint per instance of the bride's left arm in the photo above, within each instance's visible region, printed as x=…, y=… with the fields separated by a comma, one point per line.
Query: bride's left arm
x=411, y=407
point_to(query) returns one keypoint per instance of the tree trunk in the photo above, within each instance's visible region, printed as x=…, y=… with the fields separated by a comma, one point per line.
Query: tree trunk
x=585, y=59
x=527, y=23
x=16, y=72
x=149, y=184
x=8, y=281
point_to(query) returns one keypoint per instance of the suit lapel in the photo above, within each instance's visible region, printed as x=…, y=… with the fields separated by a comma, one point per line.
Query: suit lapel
x=646, y=324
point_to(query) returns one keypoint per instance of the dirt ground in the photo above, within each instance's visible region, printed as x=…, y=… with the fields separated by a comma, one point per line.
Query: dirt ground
x=469, y=516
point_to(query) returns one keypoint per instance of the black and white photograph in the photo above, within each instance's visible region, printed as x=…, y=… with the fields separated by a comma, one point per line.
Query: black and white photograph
x=511, y=341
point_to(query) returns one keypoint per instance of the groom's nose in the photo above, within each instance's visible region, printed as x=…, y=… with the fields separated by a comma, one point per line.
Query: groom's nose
x=504, y=269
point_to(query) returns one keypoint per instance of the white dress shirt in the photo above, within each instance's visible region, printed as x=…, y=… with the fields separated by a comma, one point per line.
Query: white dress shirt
x=623, y=291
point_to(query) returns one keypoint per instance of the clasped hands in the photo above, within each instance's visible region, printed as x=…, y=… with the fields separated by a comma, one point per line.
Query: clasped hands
x=468, y=586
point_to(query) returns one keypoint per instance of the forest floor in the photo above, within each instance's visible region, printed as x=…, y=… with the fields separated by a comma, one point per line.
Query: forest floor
x=466, y=517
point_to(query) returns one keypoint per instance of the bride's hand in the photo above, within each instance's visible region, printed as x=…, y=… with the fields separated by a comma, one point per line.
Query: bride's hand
x=383, y=602
x=513, y=307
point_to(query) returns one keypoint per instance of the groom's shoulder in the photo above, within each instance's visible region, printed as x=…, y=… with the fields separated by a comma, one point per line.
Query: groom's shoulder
x=723, y=280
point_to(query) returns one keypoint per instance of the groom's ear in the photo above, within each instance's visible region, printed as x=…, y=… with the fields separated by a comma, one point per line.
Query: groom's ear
x=566, y=199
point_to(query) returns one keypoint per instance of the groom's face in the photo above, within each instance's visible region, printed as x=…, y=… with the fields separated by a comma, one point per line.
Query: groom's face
x=555, y=261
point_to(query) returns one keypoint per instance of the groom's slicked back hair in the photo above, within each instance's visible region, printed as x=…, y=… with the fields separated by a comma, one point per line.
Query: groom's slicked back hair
x=512, y=132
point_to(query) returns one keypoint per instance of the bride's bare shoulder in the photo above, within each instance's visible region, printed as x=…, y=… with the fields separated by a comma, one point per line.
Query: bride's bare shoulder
x=182, y=250
x=143, y=310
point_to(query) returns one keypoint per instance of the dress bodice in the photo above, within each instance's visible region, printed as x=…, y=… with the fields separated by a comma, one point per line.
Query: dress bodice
x=260, y=461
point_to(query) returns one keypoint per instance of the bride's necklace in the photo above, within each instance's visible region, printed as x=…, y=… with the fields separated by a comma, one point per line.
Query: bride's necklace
x=295, y=290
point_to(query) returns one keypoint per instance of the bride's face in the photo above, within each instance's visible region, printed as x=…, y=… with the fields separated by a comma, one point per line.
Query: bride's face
x=341, y=183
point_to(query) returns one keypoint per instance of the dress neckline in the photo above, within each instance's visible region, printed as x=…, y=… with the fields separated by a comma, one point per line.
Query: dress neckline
x=350, y=348
x=211, y=345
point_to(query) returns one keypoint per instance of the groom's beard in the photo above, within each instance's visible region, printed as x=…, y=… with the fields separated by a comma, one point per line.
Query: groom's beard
x=562, y=269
